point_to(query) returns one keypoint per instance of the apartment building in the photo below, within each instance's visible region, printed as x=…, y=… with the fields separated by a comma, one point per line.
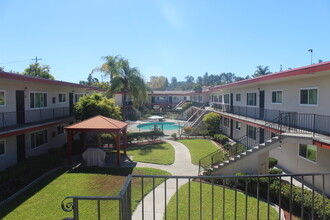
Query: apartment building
x=33, y=113
x=295, y=101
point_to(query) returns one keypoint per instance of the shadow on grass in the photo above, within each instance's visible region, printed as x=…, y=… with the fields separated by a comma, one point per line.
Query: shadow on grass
x=10, y=206
x=147, y=149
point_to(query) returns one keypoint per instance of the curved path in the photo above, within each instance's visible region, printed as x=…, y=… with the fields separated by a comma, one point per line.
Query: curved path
x=182, y=166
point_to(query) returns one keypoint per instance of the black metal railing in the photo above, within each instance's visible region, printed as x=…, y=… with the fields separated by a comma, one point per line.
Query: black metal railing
x=216, y=197
x=297, y=122
x=123, y=205
x=10, y=119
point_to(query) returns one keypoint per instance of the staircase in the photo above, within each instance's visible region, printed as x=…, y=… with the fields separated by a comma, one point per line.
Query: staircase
x=195, y=117
x=180, y=104
x=246, y=149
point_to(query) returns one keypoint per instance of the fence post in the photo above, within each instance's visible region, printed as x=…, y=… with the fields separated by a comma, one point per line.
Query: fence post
x=314, y=125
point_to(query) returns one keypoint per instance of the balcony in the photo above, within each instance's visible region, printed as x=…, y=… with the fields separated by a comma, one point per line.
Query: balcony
x=11, y=120
x=307, y=122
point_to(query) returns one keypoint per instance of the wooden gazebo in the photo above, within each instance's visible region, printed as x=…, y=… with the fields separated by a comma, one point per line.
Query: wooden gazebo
x=97, y=124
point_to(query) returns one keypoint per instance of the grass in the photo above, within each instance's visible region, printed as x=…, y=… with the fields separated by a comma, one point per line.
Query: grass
x=198, y=148
x=43, y=201
x=218, y=204
x=158, y=153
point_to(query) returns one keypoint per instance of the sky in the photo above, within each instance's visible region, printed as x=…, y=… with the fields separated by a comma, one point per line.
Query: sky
x=163, y=37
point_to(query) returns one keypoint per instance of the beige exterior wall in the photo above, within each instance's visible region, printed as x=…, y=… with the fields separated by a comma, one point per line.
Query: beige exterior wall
x=9, y=158
x=290, y=88
x=289, y=159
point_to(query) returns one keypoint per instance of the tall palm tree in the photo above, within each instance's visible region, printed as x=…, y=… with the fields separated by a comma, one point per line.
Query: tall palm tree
x=261, y=71
x=129, y=81
x=110, y=67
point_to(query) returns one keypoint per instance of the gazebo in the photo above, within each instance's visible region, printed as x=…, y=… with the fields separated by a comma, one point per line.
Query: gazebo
x=97, y=124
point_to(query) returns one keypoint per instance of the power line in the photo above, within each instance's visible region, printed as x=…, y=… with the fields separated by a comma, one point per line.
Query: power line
x=36, y=59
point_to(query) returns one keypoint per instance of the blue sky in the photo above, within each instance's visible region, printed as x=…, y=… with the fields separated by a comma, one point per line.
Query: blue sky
x=169, y=38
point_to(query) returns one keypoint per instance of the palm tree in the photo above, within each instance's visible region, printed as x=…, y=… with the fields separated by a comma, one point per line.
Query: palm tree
x=110, y=67
x=129, y=81
x=261, y=71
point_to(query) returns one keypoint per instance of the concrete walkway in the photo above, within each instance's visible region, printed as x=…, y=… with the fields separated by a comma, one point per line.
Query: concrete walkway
x=182, y=166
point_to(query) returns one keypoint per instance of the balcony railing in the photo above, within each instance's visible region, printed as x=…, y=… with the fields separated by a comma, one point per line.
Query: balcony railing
x=312, y=123
x=214, y=197
x=10, y=119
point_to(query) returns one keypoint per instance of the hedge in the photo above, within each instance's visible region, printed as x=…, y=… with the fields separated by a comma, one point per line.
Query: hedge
x=272, y=162
x=220, y=138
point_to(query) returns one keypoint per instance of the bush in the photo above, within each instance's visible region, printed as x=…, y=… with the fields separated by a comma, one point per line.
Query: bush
x=173, y=136
x=187, y=130
x=186, y=105
x=212, y=121
x=204, y=133
x=275, y=171
x=239, y=148
x=220, y=138
x=272, y=162
x=227, y=147
x=148, y=135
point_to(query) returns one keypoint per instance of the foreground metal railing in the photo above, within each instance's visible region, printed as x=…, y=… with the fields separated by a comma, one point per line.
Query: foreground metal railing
x=123, y=199
x=217, y=197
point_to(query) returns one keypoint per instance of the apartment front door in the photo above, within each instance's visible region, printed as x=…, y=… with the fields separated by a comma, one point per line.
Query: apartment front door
x=20, y=143
x=170, y=99
x=20, y=107
x=231, y=128
x=153, y=99
x=71, y=103
x=261, y=135
x=261, y=104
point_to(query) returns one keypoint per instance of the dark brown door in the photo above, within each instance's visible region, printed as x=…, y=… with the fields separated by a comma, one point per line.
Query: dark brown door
x=20, y=108
x=71, y=103
x=20, y=141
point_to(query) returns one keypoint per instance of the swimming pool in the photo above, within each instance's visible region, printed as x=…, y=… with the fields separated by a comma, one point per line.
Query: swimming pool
x=160, y=125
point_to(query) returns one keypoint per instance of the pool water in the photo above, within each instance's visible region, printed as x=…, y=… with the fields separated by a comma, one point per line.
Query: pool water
x=160, y=125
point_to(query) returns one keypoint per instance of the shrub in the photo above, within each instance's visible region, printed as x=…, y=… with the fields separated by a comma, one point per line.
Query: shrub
x=173, y=136
x=212, y=121
x=220, y=138
x=239, y=148
x=187, y=130
x=272, y=162
x=204, y=133
x=186, y=105
x=227, y=147
x=275, y=171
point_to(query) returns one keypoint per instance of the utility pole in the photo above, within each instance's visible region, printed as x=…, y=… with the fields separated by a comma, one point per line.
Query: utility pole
x=311, y=50
x=36, y=59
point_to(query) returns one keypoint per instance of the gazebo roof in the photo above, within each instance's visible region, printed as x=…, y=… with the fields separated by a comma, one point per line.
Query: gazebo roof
x=98, y=122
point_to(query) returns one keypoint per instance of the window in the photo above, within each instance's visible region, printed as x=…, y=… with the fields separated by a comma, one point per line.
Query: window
x=174, y=98
x=238, y=97
x=61, y=97
x=60, y=129
x=220, y=98
x=77, y=97
x=251, y=99
x=226, y=99
x=38, y=100
x=276, y=96
x=226, y=122
x=2, y=147
x=308, y=96
x=2, y=98
x=38, y=138
x=251, y=132
x=238, y=125
x=185, y=98
x=308, y=151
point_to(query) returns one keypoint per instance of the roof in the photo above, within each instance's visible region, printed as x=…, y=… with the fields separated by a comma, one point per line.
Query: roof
x=292, y=72
x=172, y=92
x=98, y=122
x=15, y=76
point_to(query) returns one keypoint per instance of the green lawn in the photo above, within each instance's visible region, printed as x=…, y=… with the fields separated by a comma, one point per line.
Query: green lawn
x=159, y=153
x=43, y=201
x=218, y=204
x=198, y=148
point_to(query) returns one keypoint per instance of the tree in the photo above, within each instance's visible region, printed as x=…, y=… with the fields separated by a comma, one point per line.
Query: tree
x=158, y=82
x=261, y=71
x=2, y=68
x=38, y=71
x=197, y=88
x=189, y=79
x=212, y=121
x=174, y=82
x=96, y=104
x=110, y=67
x=129, y=81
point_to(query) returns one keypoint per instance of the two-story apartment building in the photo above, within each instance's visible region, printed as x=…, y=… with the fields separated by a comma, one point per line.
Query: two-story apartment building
x=33, y=113
x=297, y=99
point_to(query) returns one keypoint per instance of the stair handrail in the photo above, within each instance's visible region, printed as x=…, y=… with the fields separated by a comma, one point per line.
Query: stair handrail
x=274, y=126
x=188, y=120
